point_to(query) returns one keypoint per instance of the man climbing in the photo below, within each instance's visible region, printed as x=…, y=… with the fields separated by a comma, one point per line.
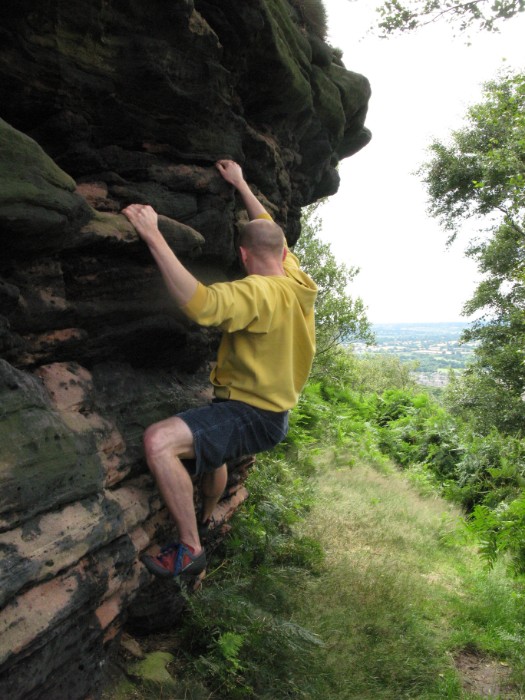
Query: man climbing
x=263, y=362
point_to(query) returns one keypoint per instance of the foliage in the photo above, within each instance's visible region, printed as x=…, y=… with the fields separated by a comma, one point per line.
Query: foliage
x=238, y=638
x=416, y=430
x=485, y=474
x=365, y=624
x=279, y=498
x=481, y=175
x=479, y=399
x=251, y=649
x=502, y=530
x=490, y=470
x=482, y=171
x=440, y=448
x=341, y=416
x=242, y=644
x=377, y=373
x=399, y=16
x=339, y=317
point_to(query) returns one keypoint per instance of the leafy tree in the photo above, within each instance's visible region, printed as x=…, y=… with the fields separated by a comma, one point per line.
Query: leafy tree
x=478, y=398
x=482, y=171
x=399, y=16
x=480, y=175
x=377, y=373
x=340, y=318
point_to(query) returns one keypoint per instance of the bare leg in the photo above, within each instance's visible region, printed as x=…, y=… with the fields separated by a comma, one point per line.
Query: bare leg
x=165, y=443
x=213, y=485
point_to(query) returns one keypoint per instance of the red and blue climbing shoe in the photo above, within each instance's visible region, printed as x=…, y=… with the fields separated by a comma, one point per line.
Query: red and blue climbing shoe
x=176, y=559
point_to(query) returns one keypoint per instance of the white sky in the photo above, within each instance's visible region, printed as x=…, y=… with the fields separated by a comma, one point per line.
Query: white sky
x=422, y=85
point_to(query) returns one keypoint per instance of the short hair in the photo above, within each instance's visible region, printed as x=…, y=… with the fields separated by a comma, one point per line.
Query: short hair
x=262, y=237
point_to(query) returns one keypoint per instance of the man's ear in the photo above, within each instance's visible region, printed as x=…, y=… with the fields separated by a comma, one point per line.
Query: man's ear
x=243, y=253
x=285, y=253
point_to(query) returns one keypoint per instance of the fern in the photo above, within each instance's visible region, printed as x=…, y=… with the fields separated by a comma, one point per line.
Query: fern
x=230, y=644
x=501, y=531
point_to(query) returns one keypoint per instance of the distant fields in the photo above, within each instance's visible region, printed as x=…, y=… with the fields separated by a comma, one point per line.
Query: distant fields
x=435, y=347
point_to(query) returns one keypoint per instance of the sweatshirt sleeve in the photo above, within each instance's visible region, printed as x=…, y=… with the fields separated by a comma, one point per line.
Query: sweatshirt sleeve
x=232, y=306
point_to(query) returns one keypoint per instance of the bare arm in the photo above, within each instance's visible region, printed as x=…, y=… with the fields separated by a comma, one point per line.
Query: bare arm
x=180, y=282
x=232, y=173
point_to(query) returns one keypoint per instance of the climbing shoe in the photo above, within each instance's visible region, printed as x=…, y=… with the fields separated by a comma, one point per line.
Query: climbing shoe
x=175, y=559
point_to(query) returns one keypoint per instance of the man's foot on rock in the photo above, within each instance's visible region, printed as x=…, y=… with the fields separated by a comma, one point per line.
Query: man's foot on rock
x=176, y=559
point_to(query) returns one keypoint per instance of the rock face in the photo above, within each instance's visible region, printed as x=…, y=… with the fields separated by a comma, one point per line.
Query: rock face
x=106, y=103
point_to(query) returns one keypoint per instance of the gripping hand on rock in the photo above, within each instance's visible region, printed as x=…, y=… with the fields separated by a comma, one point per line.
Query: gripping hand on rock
x=145, y=221
x=180, y=282
x=231, y=172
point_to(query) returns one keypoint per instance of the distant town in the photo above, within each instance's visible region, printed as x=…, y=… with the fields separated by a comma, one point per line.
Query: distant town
x=433, y=348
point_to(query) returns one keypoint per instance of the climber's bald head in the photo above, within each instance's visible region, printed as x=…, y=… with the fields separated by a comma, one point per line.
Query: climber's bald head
x=262, y=247
x=263, y=237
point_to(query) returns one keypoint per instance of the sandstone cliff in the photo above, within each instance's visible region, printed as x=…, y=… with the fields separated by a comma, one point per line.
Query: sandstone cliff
x=105, y=103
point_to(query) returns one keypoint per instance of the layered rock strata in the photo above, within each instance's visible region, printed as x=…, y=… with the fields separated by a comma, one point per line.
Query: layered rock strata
x=104, y=104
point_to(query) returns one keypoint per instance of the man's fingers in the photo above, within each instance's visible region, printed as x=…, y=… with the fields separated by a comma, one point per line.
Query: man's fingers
x=135, y=209
x=131, y=209
x=131, y=215
x=230, y=170
x=142, y=217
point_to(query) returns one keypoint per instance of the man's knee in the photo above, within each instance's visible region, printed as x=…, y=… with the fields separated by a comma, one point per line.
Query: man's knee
x=153, y=440
x=167, y=436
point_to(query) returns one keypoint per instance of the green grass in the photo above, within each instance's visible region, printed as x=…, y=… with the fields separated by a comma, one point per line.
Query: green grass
x=400, y=594
x=374, y=597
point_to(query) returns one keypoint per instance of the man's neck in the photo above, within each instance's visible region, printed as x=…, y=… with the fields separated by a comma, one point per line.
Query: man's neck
x=266, y=268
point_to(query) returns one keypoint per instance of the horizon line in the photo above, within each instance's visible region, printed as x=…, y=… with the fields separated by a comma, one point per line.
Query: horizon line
x=376, y=323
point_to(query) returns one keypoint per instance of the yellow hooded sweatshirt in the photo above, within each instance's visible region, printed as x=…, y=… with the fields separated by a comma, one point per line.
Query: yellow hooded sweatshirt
x=268, y=340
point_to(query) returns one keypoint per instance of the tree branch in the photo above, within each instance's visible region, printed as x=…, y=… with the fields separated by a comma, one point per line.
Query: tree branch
x=460, y=6
x=510, y=221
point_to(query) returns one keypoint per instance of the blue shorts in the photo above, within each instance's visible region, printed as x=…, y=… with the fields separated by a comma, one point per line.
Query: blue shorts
x=226, y=430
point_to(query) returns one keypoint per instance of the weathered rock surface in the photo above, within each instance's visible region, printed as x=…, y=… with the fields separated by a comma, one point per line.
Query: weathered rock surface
x=104, y=104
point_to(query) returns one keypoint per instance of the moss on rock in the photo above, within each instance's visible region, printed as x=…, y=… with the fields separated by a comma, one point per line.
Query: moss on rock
x=152, y=671
x=38, y=205
x=328, y=104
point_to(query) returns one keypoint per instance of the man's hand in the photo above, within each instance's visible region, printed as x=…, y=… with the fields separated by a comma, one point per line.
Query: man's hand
x=145, y=221
x=231, y=172
x=180, y=282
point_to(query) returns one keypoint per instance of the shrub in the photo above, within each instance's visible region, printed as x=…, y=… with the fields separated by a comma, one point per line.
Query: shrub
x=491, y=469
x=501, y=530
x=416, y=430
x=241, y=648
